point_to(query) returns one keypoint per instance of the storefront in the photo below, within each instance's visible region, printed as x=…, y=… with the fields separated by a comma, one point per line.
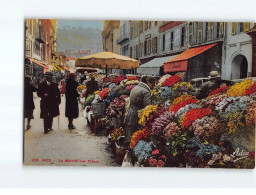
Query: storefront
x=38, y=68
x=196, y=62
x=154, y=67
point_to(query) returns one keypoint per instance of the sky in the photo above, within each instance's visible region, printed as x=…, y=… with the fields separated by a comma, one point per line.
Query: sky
x=81, y=23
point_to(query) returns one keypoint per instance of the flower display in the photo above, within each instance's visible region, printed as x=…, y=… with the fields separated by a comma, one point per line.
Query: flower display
x=175, y=107
x=251, y=90
x=181, y=99
x=117, y=132
x=250, y=115
x=89, y=100
x=193, y=115
x=130, y=87
x=103, y=93
x=171, y=129
x=185, y=109
x=96, y=92
x=212, y=101
x=142, y=150
x=206, y=127
x=182, y=86
x=219, y=91
x=166, y=93
x=154, y=152
x=157, y=159
x=235, y=122
x=133, y=82
x=130, y=78
x=239, y=89
x=177, y=143
x=145, y=113
x=118, y=79
x=171, y=81
x=231, y=104
x=220, y=160
x=162, y=79
x=137, y=136
x=119, y=101
x=106, y=80
x=154, y=92
x=161, y=122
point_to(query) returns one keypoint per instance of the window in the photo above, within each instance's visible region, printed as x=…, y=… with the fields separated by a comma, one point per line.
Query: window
x=183, y=36
x=241, y=27
x=171, y=41
x=149, y=25
x=206, y=31
x=141, y=26
x=163, y=43
x=233, y=28
x=195, y=31
x=155, y=23
x=131, y=52
x=145, y=26
x=190, y=33
x=200, y=32
x=145, y=48
x=149, y=47
x=131, y=32
x=218, y=30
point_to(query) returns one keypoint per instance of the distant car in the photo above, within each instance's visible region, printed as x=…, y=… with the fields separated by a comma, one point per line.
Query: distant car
x=197, y=84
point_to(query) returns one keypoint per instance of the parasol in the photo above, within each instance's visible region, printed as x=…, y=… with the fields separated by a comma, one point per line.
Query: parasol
x=105, y=60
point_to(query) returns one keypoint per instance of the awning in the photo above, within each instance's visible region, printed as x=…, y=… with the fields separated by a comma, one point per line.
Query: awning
x=153, y=66
x=38, y=63
x=180, y=62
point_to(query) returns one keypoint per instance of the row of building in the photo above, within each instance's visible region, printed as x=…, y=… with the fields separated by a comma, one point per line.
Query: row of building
x=40, y=48
x=194, y=47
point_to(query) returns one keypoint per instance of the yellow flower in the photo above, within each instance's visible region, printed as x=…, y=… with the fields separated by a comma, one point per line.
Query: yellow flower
x=96, y=92
x=144, y=113
x=239, y=89
x=154, y=92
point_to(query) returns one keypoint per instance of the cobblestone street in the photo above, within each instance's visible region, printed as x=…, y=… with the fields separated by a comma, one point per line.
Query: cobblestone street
x=64, y=147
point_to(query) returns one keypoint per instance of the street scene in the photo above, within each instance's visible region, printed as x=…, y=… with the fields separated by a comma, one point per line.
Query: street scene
x=139, y=93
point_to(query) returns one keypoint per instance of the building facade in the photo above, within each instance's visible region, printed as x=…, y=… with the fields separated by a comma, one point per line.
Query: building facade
x=237, y=62
x=124, y=38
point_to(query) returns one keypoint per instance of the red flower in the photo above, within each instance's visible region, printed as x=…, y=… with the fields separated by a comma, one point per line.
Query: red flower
x=152, y=161
x=155, y=152
x=251, y=89
x=183, y=104
x=252, y=155
x=171, y=81
x=220, y=90
x=163, y=157
x=160, y=163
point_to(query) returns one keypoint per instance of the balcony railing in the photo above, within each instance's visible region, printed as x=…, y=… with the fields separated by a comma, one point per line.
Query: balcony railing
x=122, y=38
x=41, y=36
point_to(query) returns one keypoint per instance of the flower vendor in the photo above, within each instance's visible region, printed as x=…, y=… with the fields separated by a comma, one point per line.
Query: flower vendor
x=140, y=97
x=91, y=86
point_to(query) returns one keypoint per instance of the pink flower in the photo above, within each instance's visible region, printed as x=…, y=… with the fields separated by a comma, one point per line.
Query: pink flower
x=160, y=163
x=155, y=152
x=152, y=161
x=163, y=157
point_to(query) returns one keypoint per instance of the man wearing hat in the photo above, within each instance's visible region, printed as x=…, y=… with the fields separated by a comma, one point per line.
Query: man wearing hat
x=210, y=85
x=49, y=93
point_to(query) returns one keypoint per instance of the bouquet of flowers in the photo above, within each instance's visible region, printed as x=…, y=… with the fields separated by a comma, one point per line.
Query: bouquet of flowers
x=161, y=122
x=182, y=101
x=145, y=113
x=221, y=160
x=221, y=90
x=239, y=89
x=142, y=150
x=235, y=122
x=177, y=144
x=157, y=159
x=212, y=101
x=130, y=87
x=89, y=100
x=117, y=132
x=104, y=93
x=171, y=81
x=118, y=79
x=185, y=109
x=162, y=79
x=106, y=80
x=166, y=93
x=171, y=129
x=193, y=115
x=251, y=90
x=207, y=127
x=81, y=88
x=182, y=86
x=137, y=136
x=133, y=82
x=250, y=115
x=130, y=78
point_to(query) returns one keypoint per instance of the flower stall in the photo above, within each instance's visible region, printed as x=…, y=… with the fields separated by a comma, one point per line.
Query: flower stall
x=178, y=130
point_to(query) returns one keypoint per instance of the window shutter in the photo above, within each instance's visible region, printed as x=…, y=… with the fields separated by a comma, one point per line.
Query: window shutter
x=233, y=28
x=221, y=28
x=246, y=26
x=160, y=40
x=215, y=30
x=186, y=33
x=209, y=32
x=204, y=32
x=167, y=40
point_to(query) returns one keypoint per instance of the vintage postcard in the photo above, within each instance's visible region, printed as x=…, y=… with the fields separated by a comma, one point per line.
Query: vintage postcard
x=139, y=93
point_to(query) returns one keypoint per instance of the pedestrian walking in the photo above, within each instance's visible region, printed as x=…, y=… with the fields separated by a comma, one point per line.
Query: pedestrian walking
x=72, y=95
x=49, y=93
x=29, y=105
x=140, y=97
x=91, y=86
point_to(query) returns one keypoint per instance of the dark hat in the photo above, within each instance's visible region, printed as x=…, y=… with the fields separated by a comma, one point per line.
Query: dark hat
x=49, y=74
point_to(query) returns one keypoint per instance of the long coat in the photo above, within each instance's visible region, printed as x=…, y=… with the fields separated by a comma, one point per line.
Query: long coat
x=71, y=99
x=49, y=105
x=28, y=94
x=140, y=97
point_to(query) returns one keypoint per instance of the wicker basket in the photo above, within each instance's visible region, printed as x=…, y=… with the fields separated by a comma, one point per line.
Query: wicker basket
x=98, y=108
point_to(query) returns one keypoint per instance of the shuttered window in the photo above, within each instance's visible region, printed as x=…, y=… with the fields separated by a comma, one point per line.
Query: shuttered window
x=233, y=28
x=167, y=41
x=246, y=26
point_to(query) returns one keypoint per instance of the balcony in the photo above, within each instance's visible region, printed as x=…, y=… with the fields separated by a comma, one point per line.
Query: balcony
x=40, y=35
x=122, y=38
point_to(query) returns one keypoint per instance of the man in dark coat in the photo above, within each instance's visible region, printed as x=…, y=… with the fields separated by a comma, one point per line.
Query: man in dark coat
x=71, y=93
x=29, y=105
x=49, y=93
x=140, y=97
x=91, y=87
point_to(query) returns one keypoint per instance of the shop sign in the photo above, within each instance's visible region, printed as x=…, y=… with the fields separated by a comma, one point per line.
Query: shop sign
x=176, y=66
